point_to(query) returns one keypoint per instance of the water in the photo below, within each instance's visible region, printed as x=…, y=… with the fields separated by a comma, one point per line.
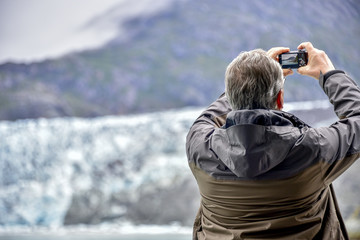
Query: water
x=98, y=237
x=97, y=232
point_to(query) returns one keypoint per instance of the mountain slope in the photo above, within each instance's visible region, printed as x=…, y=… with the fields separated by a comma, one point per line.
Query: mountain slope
x=177, y=57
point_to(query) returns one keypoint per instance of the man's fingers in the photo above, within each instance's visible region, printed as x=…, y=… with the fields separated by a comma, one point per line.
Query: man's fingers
x=274, y=52
x=307, y=45
x=303, y=70
x=287, y=72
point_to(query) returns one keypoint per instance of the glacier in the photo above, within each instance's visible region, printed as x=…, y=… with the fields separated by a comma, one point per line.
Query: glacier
x=113, y=169
x=46, y=162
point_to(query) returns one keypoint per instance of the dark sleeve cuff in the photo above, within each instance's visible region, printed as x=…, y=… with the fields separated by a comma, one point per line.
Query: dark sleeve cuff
x=324, y=77
x=329, y=73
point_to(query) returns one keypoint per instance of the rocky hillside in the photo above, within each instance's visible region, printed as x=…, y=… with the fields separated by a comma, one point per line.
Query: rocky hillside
x=177, y=57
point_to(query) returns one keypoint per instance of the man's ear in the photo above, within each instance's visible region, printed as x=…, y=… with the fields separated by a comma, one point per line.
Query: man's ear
x=280, y=100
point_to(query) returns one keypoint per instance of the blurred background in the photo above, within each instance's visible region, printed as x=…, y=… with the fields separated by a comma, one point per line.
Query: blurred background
x=97, y=96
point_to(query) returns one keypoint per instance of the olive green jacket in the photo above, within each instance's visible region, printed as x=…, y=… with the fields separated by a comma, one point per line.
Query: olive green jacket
x=265, y=174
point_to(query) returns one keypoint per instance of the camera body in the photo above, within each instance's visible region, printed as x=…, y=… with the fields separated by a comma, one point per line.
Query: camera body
x=293, y=59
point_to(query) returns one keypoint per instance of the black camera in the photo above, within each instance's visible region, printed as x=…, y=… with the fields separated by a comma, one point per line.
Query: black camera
x=293, y=59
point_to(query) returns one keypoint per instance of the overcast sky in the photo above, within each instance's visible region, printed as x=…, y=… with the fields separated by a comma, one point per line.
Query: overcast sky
x=35, y=29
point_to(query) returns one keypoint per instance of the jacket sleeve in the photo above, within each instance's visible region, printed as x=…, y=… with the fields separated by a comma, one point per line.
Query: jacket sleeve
x=197, y=140
x=340, y=143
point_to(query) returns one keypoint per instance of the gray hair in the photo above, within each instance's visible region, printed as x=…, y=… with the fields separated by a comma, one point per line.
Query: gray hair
x=253, y=80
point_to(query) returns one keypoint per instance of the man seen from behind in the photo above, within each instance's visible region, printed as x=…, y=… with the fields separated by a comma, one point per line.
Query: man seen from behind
x=263, y=173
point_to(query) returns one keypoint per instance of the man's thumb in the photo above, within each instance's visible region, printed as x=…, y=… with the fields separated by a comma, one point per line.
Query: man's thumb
x=302, y=70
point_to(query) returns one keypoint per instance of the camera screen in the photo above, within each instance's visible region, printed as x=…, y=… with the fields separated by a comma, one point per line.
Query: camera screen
x=290, y=59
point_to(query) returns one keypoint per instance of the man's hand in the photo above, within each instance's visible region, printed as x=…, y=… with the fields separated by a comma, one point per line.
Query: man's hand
x=275, y=52
x=318, y=62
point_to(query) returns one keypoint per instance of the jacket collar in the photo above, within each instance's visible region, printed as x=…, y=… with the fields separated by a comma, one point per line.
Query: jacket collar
x=264, y=117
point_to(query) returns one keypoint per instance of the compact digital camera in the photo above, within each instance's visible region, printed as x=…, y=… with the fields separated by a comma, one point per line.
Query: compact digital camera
x=293, y=59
